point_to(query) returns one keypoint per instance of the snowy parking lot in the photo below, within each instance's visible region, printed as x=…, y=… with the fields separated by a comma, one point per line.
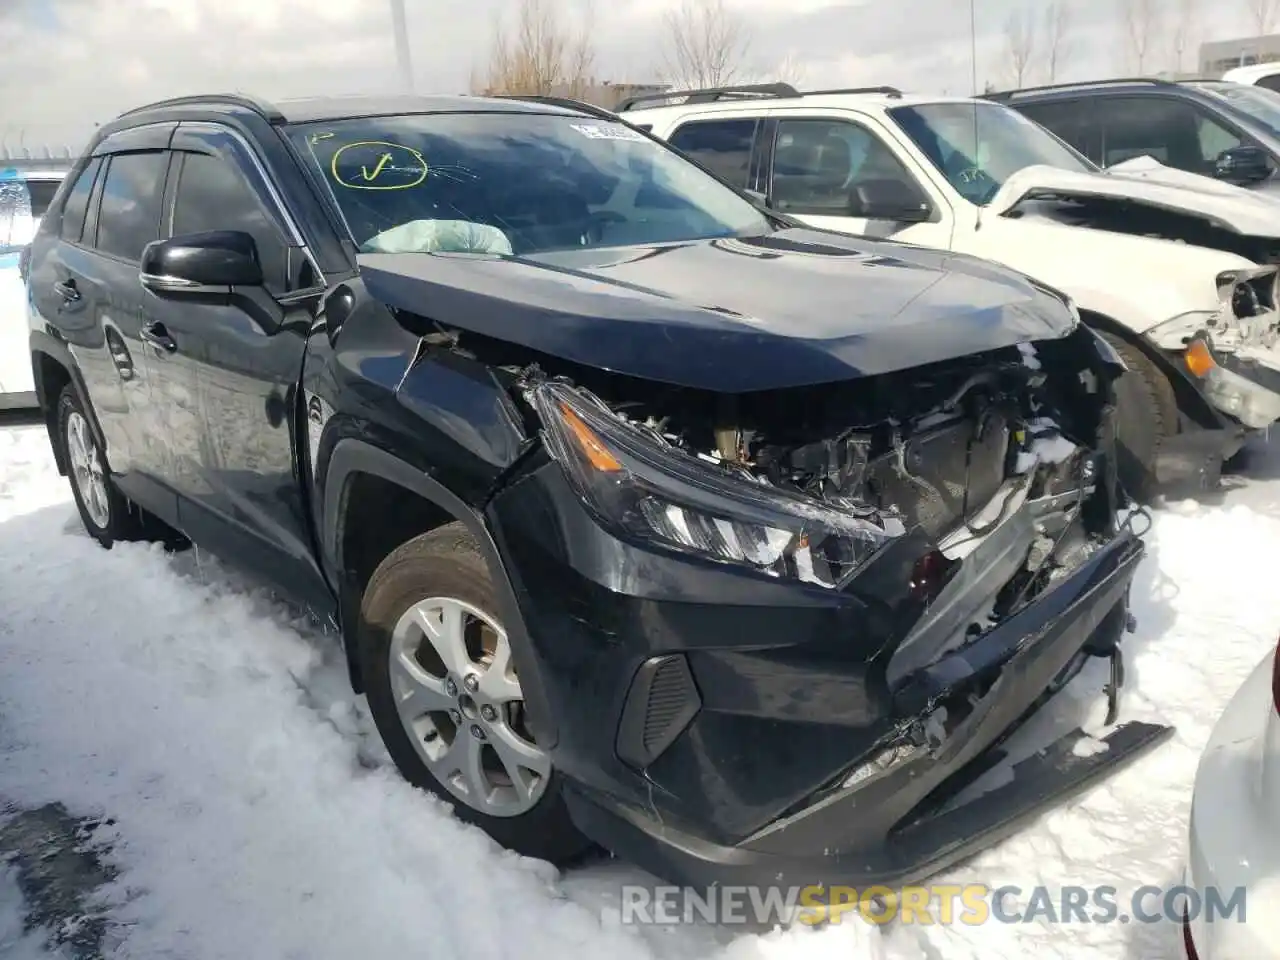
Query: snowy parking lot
x=244, y=809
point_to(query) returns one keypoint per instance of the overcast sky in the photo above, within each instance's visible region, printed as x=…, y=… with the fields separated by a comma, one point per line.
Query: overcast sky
x=67, y=64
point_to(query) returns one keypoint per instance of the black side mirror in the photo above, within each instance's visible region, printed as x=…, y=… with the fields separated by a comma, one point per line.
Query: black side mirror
x=202, y=263
x=888, y=200
x=1243, y=164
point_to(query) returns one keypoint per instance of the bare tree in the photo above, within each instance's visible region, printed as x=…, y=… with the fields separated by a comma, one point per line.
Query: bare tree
x=706, y=45
x=1142, y=22
x=1057, y=34
x=1263, y=14
x=1185, y=30
x=541, y=55
x=1019, y=45
x=791, y=70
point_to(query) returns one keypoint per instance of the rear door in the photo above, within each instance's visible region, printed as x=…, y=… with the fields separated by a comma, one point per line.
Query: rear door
x=83, y=284
x=239, y=489
x=1073, y=121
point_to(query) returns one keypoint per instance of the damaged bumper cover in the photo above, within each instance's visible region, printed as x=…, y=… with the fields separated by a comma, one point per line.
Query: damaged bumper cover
x=877, y=827
x=775, y=731
x=1234, y=352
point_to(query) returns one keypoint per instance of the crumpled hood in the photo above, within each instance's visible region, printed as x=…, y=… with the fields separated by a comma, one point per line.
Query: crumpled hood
x=1147, y=181
x=791, y=308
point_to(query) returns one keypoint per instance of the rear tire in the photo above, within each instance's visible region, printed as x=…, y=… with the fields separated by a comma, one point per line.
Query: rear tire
x=1146, y=417
x=447, y=702
x=105, y=513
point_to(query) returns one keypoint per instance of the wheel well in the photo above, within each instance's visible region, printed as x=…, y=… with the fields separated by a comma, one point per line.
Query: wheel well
x=379, y=515
x=1191, y=402
x=51, y=379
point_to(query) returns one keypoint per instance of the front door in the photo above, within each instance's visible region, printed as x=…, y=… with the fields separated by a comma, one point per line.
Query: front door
x=242, y=494
x=820, y=166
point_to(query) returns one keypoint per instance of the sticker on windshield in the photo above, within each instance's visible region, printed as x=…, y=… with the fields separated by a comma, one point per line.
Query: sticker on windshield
x=378, y=165
x=608, y=131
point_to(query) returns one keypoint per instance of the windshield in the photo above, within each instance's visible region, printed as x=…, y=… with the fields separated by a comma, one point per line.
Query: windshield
x=1258, y=103
x=515, y=183
x=22, y=203
x=978, y=146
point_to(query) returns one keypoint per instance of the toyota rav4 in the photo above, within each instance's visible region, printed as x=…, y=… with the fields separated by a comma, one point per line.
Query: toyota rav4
x=647, y=518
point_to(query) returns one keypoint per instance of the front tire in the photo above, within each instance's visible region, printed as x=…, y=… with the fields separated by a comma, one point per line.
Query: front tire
x=447, y=702
x=1146, y=418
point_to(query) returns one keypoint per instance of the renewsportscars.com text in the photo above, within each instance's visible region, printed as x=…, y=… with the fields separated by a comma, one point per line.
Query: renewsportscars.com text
x=968, y=904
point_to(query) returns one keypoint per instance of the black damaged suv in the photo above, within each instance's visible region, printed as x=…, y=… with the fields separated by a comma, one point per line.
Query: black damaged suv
x=648, y=517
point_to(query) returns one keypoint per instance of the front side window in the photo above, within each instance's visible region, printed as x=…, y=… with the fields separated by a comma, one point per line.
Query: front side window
x=1175, y=132
x=819, y=166
x=978, y=146
x=129, y=214
x=515, y=183
x=212, y=195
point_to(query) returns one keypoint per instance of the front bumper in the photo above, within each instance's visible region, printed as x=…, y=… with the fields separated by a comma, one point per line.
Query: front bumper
x=708, y=716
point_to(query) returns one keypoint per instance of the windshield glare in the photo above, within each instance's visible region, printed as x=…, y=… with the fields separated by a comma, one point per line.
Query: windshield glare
x=978, y=146
x=1259, y=103
x=515, y=183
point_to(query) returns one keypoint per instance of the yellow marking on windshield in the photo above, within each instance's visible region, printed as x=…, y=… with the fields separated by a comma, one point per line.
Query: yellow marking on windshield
x=382, y=162
x=395, y=166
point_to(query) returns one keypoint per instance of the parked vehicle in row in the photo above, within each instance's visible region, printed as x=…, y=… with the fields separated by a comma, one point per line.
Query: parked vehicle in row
x=1227, y=131
x=648, y=518
x=1176, y=277
x=1235, y=828
x=25, y=194
x=1263, y=75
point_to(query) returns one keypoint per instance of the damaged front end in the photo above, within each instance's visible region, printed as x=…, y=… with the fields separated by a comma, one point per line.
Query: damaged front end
x=1234, y=352
x=822, y=610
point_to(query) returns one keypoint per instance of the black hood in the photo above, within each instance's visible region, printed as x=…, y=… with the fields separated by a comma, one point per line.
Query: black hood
x=792, y=308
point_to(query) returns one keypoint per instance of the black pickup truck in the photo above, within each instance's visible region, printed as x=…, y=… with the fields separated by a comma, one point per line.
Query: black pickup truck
x=648, y=518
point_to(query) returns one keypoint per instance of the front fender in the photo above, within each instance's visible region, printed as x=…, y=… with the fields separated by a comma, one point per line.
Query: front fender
x=351, y=455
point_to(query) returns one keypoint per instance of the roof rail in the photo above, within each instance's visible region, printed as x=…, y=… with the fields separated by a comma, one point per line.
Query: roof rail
x=1078, y=85
x=270, y=113
x=887, y=91
x=567, y=102
x=712, y=94
x=747, y=91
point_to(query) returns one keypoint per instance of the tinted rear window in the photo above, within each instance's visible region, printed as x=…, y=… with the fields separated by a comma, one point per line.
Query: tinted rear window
x=131, y=200
x=73, y=210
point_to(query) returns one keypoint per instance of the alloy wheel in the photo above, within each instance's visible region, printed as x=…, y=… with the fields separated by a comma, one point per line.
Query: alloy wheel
x=458, y=697
x=86, y=468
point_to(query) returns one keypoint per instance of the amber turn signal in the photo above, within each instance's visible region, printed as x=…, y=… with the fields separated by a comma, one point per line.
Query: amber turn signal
x=1198, y=359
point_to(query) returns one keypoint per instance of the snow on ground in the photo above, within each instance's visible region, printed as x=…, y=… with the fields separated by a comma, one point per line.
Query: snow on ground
x=254, y=814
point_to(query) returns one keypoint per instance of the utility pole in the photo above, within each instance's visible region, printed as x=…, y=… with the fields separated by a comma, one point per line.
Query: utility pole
x=400, y=28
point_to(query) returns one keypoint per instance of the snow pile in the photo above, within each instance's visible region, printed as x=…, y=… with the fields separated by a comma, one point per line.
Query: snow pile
x=254, y=816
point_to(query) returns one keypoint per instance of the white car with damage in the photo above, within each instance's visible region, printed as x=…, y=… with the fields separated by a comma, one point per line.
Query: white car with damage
x=25, y=194
x=1176, y=271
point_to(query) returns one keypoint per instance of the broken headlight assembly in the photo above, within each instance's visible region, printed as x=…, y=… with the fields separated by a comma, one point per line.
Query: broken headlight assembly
x=637, y=484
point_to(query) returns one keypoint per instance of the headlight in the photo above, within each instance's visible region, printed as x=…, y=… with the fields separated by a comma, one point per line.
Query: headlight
x=643, y=488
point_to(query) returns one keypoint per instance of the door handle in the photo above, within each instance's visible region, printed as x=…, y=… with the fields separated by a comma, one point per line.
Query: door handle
x=67, y=291
x=156, y=335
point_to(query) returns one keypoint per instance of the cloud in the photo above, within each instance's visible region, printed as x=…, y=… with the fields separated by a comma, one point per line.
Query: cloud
x=69, y=64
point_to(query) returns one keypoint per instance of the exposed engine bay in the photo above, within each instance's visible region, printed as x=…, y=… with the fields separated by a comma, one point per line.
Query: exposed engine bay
x=991, y=463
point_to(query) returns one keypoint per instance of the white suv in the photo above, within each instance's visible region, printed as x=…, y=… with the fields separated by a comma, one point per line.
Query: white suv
x=1174, y=269
x=24, y=197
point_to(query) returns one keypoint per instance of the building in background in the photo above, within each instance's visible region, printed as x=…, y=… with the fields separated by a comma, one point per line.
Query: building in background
x=1219, y=56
